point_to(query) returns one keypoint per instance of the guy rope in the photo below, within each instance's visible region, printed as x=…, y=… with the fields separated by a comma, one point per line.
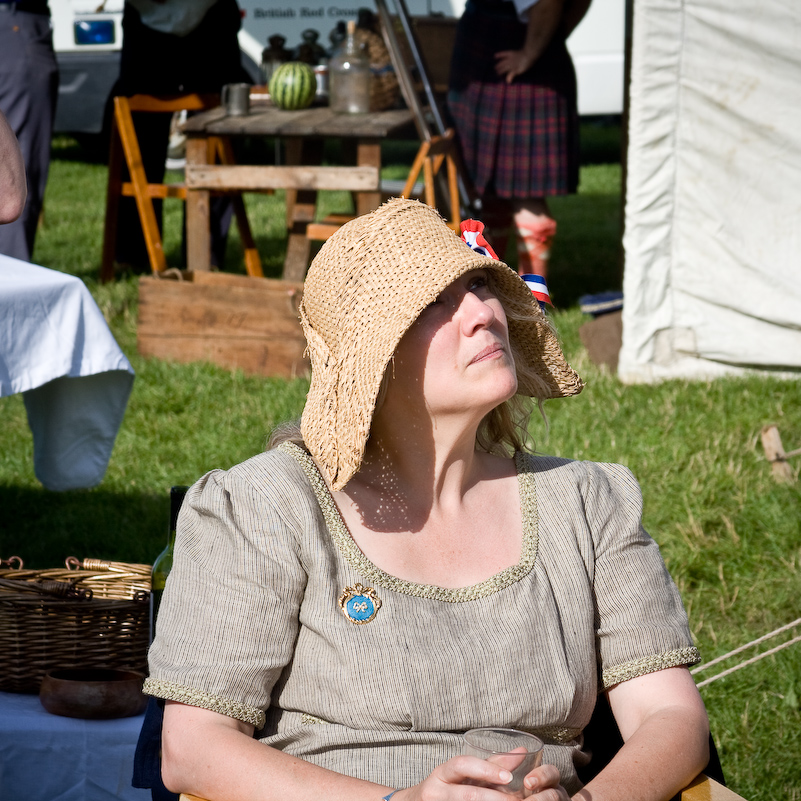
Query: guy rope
x=753, y=659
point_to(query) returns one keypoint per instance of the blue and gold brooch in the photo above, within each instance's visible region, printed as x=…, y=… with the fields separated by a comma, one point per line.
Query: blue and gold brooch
x=359, y=604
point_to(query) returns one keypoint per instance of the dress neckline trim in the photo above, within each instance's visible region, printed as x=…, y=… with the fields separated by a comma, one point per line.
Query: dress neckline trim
x=375, y=575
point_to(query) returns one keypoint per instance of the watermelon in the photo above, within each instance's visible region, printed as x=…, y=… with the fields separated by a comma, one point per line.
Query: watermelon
x=293, y=85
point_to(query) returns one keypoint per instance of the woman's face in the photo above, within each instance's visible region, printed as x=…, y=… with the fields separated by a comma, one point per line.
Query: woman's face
x=456, y=357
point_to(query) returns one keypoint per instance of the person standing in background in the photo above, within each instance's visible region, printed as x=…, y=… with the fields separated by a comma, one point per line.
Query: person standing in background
x=173, y=47
x=512, y=96
x=28, y=93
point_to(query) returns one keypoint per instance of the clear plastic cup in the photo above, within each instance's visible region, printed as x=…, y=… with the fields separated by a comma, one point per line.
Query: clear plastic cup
x=516, y=751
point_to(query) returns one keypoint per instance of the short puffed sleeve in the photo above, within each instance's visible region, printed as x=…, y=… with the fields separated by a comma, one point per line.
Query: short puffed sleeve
x=641, y=624
x=229, y=617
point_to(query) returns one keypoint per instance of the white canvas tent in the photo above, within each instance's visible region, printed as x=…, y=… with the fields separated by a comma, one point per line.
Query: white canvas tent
x=712, y=280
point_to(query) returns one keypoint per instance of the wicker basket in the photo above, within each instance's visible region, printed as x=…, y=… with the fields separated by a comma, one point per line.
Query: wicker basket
x=92, y=614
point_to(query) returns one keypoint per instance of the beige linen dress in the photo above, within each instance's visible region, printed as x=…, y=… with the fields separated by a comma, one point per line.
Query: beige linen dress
x=251, y=624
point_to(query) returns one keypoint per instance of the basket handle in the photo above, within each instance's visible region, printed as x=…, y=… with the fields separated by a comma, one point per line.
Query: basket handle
x=98, y=565
x=73, y=563
x=63, y=590
x=59, y=589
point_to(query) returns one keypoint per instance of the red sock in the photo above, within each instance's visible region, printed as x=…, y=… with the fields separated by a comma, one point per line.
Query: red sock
x=535, y=234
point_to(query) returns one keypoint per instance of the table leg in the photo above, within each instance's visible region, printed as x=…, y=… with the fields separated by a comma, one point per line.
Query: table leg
x=368, y=154
x=300, y=207
x=293, y=148
x=198, y=225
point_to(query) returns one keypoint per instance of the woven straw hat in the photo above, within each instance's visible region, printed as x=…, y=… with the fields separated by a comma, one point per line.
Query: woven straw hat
x=365, y=288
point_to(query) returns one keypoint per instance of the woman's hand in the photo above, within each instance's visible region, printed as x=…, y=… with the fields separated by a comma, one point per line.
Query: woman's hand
x=194, y=739
x=511, y=63
x=465, y=778
x=462, y=777
x=543, y=784
x=543, y=19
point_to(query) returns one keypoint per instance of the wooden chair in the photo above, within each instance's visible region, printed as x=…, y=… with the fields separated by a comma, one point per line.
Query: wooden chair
x=124, y=149
x=430, y=158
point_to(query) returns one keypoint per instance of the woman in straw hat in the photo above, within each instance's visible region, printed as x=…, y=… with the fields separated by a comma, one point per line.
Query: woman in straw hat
x=400, y=570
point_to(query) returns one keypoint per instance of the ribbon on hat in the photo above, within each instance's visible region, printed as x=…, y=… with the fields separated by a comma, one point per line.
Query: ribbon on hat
x=538, y=287
x=473, y=235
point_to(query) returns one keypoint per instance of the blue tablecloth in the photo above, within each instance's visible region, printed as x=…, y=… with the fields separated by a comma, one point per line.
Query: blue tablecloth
x=46, y=757
x=56, y=349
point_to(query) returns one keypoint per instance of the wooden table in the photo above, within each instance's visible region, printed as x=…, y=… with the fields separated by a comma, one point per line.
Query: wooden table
x=364, y=130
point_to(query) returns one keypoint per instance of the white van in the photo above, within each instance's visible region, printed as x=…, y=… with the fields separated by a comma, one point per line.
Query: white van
x=87, y=36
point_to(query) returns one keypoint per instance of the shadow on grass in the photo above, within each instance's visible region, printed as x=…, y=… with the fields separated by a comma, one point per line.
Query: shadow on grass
x=587, y=256
x=271, y=249
x=600, y=140
x=82, y=523
x=86, y=148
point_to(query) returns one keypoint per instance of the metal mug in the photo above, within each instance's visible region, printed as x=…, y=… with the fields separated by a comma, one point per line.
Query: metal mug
x=236, y=99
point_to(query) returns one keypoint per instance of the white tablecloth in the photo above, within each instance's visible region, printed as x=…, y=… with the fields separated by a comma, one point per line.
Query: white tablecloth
x=56, y=349
x=46, y=757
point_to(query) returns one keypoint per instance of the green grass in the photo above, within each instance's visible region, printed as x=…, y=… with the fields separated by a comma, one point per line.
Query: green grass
x=730, y=534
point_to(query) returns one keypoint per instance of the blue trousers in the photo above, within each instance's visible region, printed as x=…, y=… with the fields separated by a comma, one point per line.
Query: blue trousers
x=28, y=93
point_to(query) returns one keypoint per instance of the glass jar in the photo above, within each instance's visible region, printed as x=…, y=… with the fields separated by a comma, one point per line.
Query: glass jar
x=349, y=77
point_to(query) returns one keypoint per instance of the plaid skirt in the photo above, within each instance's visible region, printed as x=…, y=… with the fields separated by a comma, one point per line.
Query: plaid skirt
x=518, y=140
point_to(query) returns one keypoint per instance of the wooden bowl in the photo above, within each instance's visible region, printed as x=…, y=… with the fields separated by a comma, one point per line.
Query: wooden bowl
x=93, y=693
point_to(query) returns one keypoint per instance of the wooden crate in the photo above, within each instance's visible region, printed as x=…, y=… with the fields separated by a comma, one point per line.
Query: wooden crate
x=232, y=320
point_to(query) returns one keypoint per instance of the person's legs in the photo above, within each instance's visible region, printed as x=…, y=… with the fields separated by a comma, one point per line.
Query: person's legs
x=533, y=225
x=217, y=33
x=142, y=71
x=28, y=90
x=536, y=229
x=159, y=63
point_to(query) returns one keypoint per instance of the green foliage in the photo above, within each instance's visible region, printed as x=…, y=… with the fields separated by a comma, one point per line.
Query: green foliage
x=587, y=252
x=730, y=534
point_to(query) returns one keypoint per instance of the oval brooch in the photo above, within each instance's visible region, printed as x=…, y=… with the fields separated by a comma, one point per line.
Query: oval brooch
x=359, y=604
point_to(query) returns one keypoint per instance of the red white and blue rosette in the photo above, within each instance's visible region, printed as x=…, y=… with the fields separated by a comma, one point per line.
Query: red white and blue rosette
x=473, y=235
x=538, y=287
